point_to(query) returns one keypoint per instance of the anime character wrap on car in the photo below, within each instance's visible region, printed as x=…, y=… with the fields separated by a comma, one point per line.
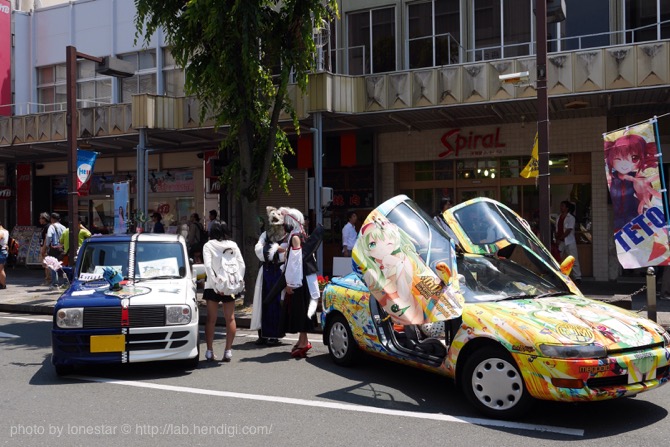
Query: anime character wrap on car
x=524, y=331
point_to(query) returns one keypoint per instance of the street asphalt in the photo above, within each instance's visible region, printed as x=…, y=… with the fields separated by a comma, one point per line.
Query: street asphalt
x=25, y=293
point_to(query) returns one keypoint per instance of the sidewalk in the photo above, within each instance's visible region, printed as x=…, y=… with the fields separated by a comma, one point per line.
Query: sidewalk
x=25, y=294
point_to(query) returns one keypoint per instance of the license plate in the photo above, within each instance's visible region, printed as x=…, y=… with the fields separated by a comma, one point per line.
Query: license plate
x=108, y=343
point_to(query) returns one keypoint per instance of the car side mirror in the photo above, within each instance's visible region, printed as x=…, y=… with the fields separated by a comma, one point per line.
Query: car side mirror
x=566, y=265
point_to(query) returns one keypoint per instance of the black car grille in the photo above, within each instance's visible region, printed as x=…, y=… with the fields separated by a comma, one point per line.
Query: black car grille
x=645, y=348
x=622, y=380
x=110, y=317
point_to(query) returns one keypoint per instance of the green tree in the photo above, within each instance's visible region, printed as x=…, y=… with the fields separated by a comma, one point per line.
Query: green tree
x=238, y=56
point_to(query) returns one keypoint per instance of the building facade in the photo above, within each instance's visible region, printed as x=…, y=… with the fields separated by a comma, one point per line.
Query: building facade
x=406, y=99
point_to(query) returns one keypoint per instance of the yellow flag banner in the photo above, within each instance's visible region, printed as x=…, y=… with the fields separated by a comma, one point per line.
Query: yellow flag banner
x=532, y=169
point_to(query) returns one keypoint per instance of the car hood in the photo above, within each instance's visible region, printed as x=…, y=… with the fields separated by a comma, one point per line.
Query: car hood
x=97, y=293
x=565, y=320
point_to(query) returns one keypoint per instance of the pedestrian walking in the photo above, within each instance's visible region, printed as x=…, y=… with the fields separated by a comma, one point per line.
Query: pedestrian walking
x=4, y=254
x=212, y=218
x=44, y=223
x=82, y=235
x=217, y=266
x=565, y=236
x=158, y=225
x=54, y=247
x=349, y=233
x=194, y=239
x=301, y=293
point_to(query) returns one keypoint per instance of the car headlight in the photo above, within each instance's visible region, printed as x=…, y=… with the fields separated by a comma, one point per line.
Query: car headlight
x=70, y=318
x=593, y=351
x=180, y=314
x=665, y=335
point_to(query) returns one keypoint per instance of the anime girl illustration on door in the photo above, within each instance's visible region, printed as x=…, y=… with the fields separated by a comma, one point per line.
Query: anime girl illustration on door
x=409, y=291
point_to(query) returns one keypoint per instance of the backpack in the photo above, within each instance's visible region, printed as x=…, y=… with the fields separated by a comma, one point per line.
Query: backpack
x=229, y=276
x=12, y=251
x=12, y=246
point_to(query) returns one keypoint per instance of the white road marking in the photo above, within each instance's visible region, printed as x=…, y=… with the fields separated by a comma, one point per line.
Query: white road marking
x=6, y=335
x=45, y=318
x=340, y=406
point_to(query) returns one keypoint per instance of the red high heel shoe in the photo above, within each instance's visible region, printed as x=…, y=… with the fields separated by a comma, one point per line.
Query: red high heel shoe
x=301, y=352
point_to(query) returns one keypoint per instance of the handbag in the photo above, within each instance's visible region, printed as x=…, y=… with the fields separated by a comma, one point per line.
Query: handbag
x=56, y=252
x=294, y=268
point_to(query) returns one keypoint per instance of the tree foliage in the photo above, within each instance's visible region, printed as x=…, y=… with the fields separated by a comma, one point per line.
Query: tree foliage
x=238, y=57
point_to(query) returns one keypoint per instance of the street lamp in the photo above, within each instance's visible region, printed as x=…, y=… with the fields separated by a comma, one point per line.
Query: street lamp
x=106, y=66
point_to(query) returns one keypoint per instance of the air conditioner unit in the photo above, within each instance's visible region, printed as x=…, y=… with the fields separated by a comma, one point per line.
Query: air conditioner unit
x=326, y=196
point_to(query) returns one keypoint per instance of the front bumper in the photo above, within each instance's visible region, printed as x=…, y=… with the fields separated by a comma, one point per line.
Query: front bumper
x=612, y=377
x=146, y=344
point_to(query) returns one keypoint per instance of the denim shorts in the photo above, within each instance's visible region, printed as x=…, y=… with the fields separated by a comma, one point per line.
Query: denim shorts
x=3, y=257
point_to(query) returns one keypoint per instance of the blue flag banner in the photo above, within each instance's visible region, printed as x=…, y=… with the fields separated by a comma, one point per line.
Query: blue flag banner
x=85, y=163
x=637, y=190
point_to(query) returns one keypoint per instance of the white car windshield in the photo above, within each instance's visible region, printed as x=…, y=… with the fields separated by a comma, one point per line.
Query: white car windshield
x=152, y=259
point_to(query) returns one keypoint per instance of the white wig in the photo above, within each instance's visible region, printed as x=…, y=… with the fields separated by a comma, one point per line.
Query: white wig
x=293, y=218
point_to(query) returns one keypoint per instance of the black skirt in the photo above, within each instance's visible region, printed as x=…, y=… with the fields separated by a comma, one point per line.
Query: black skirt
x=294, y=311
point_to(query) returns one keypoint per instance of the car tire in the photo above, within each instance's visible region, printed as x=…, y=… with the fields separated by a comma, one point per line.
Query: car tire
x=64, y=370
x=493, y=384
x=341, y=344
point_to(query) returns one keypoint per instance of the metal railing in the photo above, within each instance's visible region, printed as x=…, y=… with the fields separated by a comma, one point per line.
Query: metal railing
x=28, y=108
x=570, y=43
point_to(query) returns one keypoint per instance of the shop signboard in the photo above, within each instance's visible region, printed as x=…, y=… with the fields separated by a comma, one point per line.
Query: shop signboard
x=6, y=192
x=121, y=200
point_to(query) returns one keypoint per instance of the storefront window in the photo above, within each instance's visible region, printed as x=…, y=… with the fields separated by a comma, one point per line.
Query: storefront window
x=510, y=167
x=430, y=170
x=477, y=169
x=511, y=196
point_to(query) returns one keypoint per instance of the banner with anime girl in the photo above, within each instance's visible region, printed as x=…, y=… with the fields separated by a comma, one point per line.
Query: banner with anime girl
x=632, y=158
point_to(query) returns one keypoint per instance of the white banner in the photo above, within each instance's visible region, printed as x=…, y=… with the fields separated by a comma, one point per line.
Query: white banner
x=121, y=208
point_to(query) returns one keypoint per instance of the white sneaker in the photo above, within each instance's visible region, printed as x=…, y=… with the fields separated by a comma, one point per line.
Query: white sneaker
x=228, y=355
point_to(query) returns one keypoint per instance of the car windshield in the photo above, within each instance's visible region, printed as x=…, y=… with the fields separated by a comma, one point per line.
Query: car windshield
x=489, y=278
x=152, y=259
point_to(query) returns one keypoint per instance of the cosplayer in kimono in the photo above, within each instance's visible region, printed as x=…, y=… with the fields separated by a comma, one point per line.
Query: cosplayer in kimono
x=271, y=250
x=301, y=293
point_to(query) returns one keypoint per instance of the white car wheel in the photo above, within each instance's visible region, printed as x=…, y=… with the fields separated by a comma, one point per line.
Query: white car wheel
x=494, y=385
x=341, y=344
